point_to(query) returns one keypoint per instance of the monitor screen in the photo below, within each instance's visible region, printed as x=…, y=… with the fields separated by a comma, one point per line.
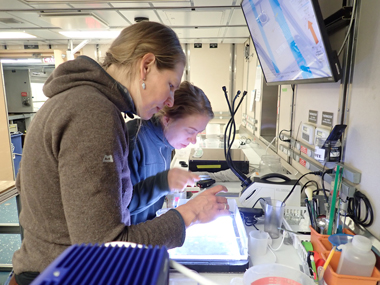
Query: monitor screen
x=291, y=41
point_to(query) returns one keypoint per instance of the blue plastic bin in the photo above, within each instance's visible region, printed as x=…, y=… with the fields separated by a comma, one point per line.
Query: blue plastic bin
x=16, y=147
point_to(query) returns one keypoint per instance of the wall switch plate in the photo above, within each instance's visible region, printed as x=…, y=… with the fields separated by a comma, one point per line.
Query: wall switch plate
x=308, y=133
x=321, y=135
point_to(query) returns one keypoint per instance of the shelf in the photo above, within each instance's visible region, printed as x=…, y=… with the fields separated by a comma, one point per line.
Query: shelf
x=19, y=116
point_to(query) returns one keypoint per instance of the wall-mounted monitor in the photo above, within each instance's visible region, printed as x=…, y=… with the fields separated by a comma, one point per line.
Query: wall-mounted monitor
x=291, y=41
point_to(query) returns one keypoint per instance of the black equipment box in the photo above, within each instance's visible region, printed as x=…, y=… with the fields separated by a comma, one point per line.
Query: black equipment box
x=213, y=160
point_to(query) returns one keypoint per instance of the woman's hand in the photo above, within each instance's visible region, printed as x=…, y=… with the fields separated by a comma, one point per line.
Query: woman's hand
x=205, y=207
x=178, y=179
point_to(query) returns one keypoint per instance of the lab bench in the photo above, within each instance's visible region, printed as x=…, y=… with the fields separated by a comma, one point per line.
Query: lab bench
x=286, y=255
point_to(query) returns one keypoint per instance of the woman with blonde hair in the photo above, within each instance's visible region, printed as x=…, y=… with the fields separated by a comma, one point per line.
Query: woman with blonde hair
x=74, y=180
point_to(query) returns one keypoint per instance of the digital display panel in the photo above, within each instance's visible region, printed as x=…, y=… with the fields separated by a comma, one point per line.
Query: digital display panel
x=290, y=41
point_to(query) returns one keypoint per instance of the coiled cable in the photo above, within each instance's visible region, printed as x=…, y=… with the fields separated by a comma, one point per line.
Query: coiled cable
x=355, y=210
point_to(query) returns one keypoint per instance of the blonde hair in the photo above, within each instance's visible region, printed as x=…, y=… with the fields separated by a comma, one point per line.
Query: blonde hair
x=141, y=38
x=188, y=100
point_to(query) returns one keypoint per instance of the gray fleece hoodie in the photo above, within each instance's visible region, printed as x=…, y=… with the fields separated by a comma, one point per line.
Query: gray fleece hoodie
x=74, y=181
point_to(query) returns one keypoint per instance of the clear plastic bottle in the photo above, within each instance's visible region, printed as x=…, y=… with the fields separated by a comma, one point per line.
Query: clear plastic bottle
x=357, y=258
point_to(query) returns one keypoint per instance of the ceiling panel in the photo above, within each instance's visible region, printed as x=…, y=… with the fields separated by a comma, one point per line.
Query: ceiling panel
x=190, y=18
x=113, y=18
x=75, y=21
x=218, y=20
x=197, y=33
x=237, y=32
x=13, y=4
x=50, y=6
x=17, y=16
x=132, y=4
x=237, y=17
x=130, y=15
x=31, y=19
x=184, y=3
x=91, y=5
x=216, y=3
x=47, y=34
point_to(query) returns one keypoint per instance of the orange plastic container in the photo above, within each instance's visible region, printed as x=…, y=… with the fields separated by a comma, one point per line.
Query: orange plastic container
x=316, y=241
x=321, y=242
x=322, y=245
x=332, y=278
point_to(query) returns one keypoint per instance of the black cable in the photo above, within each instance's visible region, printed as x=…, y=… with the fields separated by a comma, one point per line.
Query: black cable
x=231, y=130
x=295, y=184
x=228, y=156
x=261, y=198
x=227, y=153
x=354, y=209
x=247, y=180
x=322, y=177
x=329, y=171
x=316, y=192
x=307, y=183
x=249, y=220
x=232, y=126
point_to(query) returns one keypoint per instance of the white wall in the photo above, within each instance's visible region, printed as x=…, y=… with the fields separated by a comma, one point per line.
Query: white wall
x=250, y=68
x=362, y=146
x=284, y=116
x=97, y=54
x=210, y=69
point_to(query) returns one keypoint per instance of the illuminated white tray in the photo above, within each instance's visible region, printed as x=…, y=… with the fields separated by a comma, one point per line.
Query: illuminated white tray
x=218, y=246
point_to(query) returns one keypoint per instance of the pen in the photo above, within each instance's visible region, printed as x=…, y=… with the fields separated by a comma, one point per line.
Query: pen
x=329, y=258
x=315, y=273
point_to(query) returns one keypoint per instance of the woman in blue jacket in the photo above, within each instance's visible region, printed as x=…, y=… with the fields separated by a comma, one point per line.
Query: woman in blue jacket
x=150, y=151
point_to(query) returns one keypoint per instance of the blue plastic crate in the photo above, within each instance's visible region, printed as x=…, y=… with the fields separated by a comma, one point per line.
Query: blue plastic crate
x=99, y=264
x=16, y=146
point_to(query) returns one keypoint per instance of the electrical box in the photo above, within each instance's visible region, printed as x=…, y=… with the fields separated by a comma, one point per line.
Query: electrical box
x=308, y=133
x=321, y=135
x=18, y=90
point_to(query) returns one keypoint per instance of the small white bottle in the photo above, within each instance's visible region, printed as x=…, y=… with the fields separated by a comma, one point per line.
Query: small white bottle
x=357, y=258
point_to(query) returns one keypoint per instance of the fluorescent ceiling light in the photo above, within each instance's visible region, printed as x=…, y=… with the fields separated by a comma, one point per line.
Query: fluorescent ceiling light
x=15, y=35
x=91, y=34
x=29, y=60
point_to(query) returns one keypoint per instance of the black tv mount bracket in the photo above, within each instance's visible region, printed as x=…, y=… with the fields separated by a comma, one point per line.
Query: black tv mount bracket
x=338, y=20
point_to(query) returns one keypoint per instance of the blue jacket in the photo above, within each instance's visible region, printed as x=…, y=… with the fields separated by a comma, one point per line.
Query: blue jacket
x=149, y=161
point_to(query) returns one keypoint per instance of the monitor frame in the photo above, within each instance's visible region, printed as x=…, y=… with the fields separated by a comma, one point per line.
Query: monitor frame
x=332, y=58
